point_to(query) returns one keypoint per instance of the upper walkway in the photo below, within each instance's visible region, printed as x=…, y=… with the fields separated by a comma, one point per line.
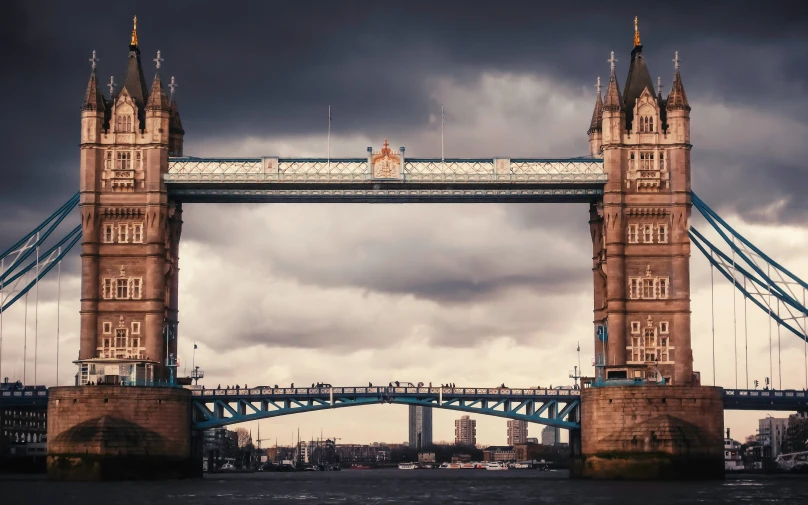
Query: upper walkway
x=370, y=180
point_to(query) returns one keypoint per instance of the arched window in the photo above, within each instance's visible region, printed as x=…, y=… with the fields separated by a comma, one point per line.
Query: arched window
x=650, y=124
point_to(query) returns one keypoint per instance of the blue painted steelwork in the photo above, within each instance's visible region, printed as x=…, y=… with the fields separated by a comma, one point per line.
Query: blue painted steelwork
x=51, y=223
x=768, y=399
x=554, y=407
x=60, y=250
x=756, y=284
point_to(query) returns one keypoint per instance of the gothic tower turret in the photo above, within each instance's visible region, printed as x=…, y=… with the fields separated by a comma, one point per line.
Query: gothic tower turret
x=595, y=131
x=131, y=231
x=641, y=248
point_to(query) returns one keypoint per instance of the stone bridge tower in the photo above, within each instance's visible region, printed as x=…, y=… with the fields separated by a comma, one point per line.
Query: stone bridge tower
x=130, y=228
x=641, y=248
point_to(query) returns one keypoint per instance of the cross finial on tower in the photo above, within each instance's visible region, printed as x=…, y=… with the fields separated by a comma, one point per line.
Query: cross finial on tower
x=612, y=60
x=636, y=31
x=659, y=85
x=675, y=61
x=597, y=86
x=158, y=60
x=172, y=86
x=133, y=42
x=94, y=60
x=111, y=85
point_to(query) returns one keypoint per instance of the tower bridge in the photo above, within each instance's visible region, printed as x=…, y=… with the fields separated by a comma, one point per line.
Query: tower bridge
x=635, y=180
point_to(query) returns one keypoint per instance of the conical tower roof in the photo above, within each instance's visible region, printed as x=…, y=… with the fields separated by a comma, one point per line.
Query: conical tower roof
x=637, y=81
x=596, y=125
x=93, y=99
x=677, y=100
x=157, y=98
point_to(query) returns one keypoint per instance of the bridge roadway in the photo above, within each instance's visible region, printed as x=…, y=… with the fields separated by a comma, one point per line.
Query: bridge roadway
x=221, y=407
x=268, y=179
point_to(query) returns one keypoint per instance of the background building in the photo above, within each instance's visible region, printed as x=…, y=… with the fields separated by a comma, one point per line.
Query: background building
x=548, y=436
x=771, y=433
x=796, y=439
x=499, y=453
x=420, y=427
x=466, y=431
x=517, y=432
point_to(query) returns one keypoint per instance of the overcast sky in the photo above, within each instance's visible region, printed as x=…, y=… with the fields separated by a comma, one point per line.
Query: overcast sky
x=346, y=294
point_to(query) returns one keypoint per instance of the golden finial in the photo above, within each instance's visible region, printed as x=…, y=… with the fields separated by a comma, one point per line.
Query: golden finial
x=133, y=42
x=636, y=32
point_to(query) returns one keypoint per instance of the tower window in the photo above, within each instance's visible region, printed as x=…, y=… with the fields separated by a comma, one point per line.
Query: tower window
x=134, y=288
x=662, y=283
x=635, y=327
x=109, y=234
x=138, y=160
x=124, y=123
x=107, y=327
x=124, y=160
x=108, y=160
x=648, y=289
x=137, y=233
x=135, y=331
x=663, y=328
x=108, y=293
x=123, y=233
x=662, y=161
x=634, y=288
x=123, y=289
x=120, y=338
x=648, y=233
x=633, y=237
x=662, y=230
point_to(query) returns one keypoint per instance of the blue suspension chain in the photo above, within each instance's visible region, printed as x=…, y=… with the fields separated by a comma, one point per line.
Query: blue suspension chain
x=712, y=312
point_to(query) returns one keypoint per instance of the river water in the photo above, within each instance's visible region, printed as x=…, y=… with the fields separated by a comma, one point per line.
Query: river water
x=405, y=487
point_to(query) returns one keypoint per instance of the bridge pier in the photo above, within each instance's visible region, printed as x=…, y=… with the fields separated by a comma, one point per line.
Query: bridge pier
x=651, y=432
x=114, y=433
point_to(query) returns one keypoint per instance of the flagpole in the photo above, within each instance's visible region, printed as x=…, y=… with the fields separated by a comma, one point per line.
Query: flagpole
x=442, y=159
x=329, y=138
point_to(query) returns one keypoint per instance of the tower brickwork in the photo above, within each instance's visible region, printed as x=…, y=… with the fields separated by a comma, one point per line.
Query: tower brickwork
x=130, y=229
x=641, y=248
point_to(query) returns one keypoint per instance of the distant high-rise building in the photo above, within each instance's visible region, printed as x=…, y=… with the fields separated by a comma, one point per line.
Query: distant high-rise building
x=772, y=432
x=465, y=431
x=517, y=432
x=420, y=426
x=548, y=436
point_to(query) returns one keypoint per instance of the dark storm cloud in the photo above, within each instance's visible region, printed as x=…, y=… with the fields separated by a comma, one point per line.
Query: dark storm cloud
x=271, y=68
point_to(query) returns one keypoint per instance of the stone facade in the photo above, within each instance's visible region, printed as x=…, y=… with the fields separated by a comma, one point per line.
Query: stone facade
x=652, y=432
x=641, y=247
x=130, y=229
x=113, y=432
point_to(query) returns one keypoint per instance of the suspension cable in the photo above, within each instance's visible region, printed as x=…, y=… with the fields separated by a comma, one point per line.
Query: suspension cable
x=36, y=314
x=25, y=337
x=58, y=303
x=805, y=342
x=746, y=335
x=734, y=315
x=712, y=312
x=779, y=361
x=769, y=304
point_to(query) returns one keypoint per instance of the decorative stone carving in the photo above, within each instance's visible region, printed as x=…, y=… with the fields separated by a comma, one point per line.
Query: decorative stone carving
x=386, y=164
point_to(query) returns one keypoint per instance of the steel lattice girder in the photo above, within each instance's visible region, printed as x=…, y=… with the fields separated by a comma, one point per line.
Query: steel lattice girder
x=767, y=399
x=557, y=408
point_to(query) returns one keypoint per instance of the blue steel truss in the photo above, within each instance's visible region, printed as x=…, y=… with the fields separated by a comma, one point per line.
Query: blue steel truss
x=763, y=281
x=559, y=408
x=14, y=283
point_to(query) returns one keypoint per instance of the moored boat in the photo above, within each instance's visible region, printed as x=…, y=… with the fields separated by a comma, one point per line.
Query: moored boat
x=496, y=465
x=407, y=466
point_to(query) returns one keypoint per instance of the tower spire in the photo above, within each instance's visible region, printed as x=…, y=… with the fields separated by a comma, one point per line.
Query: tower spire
x=677, y=98
x=613, y=100
x=133, y=42
x=636, y=32
x=597, y=115
x=93, y=99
